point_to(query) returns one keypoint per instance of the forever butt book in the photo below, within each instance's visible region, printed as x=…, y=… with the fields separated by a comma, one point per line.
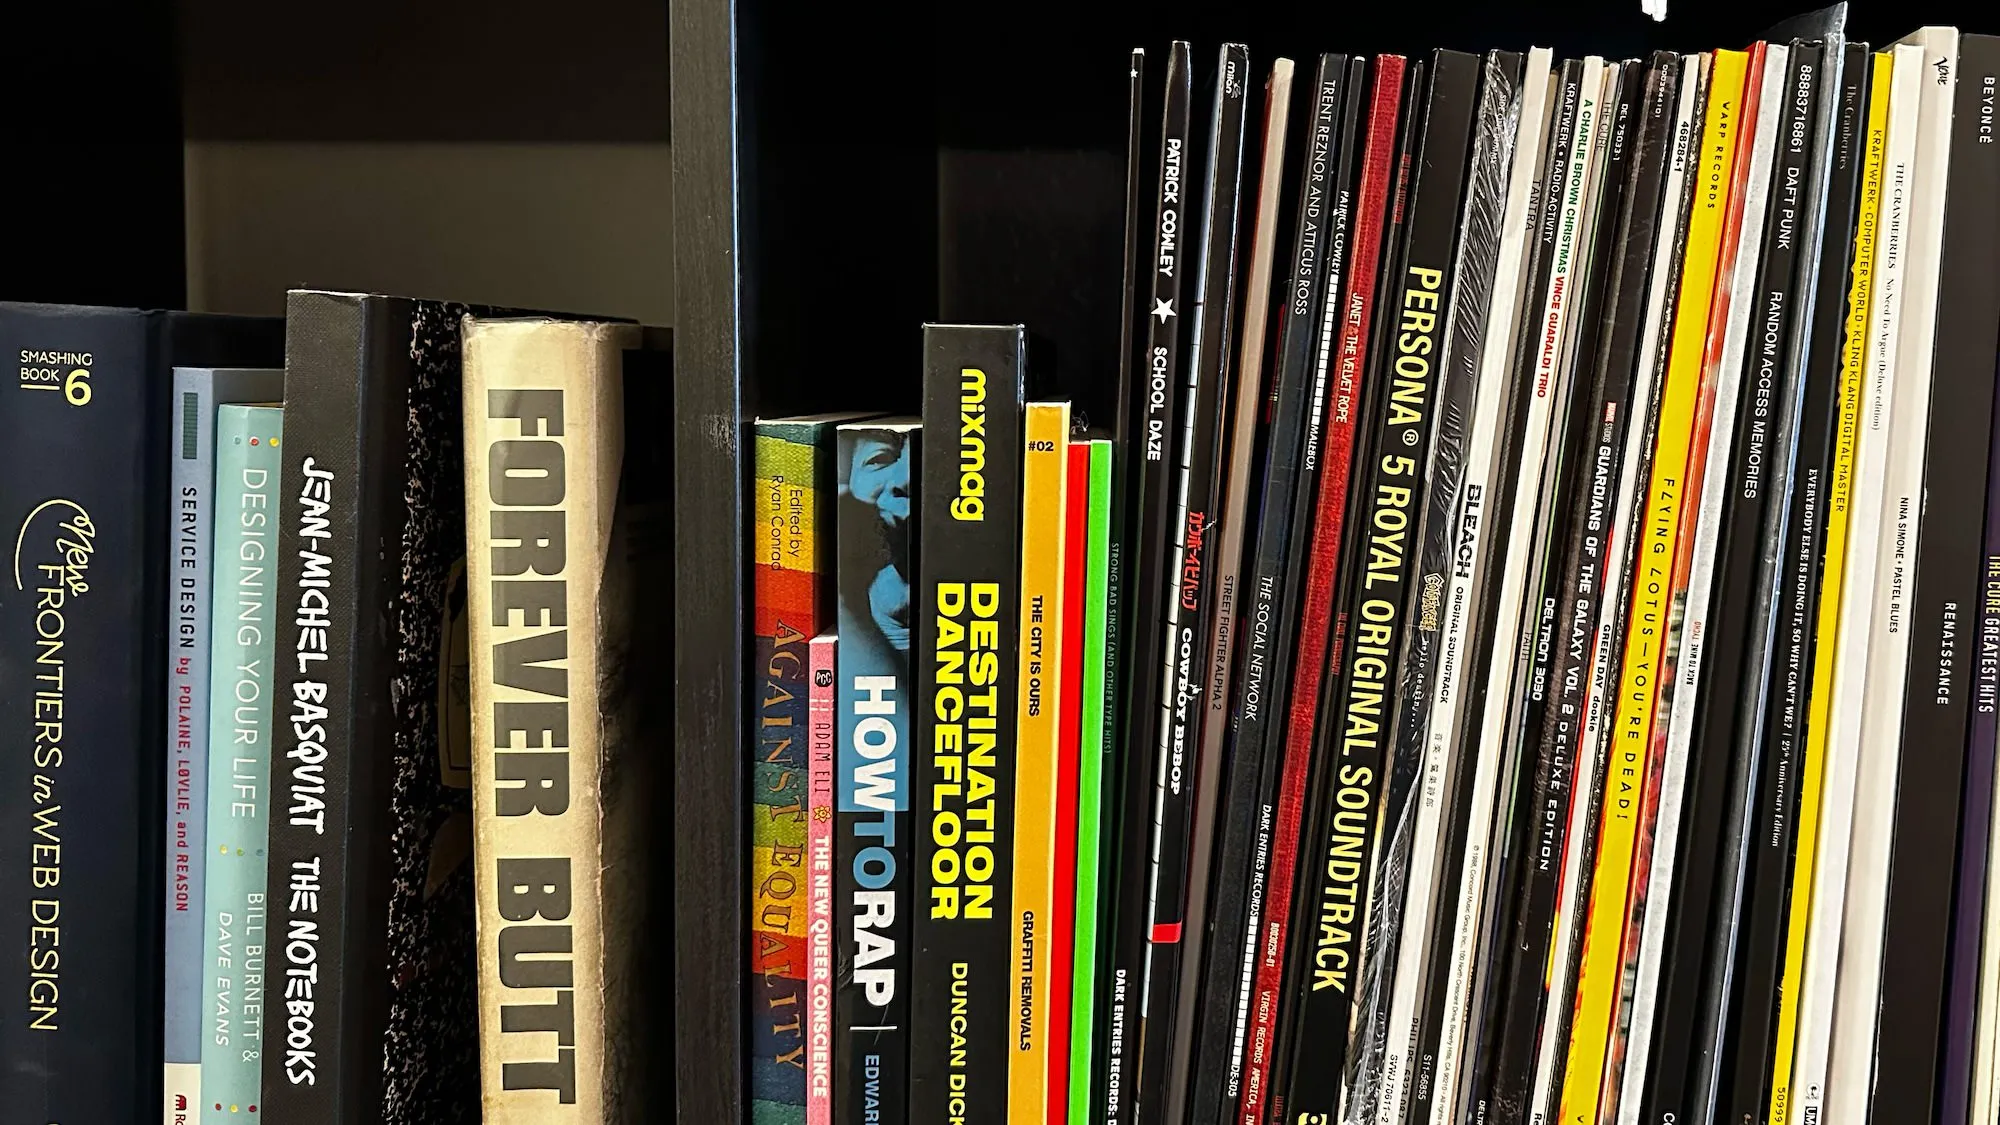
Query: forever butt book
x=558, y=781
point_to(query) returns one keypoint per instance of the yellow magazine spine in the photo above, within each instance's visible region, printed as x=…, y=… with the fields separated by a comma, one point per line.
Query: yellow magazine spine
x=1044, y=483
x=1600, y=972
x=1853, y=367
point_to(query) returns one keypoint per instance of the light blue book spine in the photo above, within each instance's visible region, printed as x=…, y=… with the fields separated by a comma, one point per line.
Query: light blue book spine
x=239, y=760
x=193, y=479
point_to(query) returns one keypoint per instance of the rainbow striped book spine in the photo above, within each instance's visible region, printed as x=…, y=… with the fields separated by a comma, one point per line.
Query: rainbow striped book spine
x=792, y=557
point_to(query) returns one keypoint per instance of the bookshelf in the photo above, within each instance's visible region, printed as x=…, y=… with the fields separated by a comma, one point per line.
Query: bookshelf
x=842, y=176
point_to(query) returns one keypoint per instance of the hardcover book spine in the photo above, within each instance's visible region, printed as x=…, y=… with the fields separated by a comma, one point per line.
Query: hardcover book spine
x=83, y=495
x=246, y=501
x=961, y=1016
x=1149, y=453
x=1348, y=853
x=792, y=526
x=1896, y=94
x=1099, y=684
x=1213, y=968
x=1928, y=789
x=824, y=724
x=1852, y=209
x=1359, y=196
x=1100, y=822
x=877, y=470
x=188, y=644
x=1040, y=707
x=1072, y=715
x=544, y=424
x=1182, y=787
x=1309, y=338
x=1452, y=543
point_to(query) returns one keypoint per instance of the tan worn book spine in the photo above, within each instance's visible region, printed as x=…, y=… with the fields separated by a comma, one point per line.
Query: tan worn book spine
x=543, y=443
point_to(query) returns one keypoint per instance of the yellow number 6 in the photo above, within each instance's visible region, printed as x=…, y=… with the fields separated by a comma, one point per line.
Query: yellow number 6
x=76, y=388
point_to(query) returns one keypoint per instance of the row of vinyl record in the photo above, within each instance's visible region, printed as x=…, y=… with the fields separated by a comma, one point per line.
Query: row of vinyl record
x=1525, y=650
x=332, y=744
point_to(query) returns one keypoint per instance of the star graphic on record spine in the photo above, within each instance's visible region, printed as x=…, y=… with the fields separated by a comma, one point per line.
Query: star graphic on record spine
x=1163, y=310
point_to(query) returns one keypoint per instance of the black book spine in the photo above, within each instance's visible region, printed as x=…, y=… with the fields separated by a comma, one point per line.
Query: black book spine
x=84, y=493
x=1945, y=603
x=1566, y=831
x=1187, y=602
x=875, y=879
x=1449, y=534
x=1265, y=642
x=1350, y=848
x=1343, y=391
x=968, y=599
x=1608, y=418
x=1119, y=599
x=1150, y=444
x=1504, y=1061
x=1760, y=502
x=1830, y=194
x=347, y=375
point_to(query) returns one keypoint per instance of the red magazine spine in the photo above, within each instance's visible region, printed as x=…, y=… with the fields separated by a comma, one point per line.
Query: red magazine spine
x=1315, y=624
x=1062, y=952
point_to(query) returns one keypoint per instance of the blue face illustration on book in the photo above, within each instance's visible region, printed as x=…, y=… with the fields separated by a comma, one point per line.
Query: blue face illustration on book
x=875, y=600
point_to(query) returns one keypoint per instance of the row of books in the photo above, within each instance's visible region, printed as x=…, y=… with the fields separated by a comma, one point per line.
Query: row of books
x=1526, y=648
x=333, y=681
